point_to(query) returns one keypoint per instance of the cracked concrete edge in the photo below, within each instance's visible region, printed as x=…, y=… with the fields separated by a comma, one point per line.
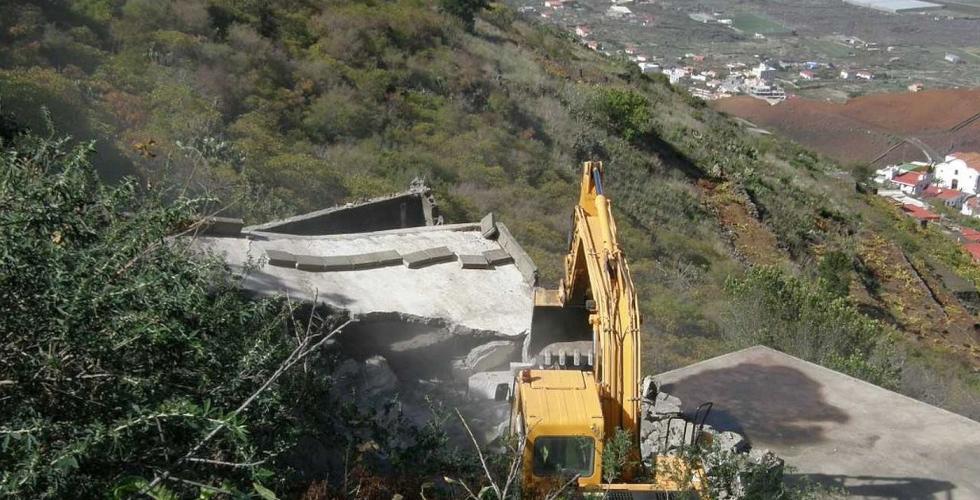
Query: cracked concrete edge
x=521, y=259
x=268, y=236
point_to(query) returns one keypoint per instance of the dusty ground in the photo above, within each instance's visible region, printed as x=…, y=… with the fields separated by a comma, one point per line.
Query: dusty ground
x=862, y=128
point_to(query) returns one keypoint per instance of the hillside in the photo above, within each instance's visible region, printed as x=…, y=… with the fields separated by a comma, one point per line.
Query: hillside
x=862, y=128
x=273, y=109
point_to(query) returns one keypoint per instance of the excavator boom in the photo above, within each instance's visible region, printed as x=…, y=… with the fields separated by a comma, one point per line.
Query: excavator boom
x=564, y=416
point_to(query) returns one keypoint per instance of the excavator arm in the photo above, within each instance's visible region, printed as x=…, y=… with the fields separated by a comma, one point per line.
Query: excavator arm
x=598, y=278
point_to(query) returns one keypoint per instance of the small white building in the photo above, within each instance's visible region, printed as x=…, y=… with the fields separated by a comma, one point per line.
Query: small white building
x=619, y=11
x=807, y=75
x=912, y=183
x=953, y=58
x=647, y=67
x=674, y=75
x=971, y=207
x=952, y=198
x=960, y=171
x=845, y=74
x=865, y=75
x=583, y=30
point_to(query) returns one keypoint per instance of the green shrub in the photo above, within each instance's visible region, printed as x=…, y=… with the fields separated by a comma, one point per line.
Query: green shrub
x=625, y=112
x=794, y=316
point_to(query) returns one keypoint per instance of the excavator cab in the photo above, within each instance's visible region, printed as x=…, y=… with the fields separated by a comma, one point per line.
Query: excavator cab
x=557, y=415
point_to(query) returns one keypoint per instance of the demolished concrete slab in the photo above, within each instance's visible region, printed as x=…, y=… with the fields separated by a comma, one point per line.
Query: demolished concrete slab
x=427, y=316
x=840, y=431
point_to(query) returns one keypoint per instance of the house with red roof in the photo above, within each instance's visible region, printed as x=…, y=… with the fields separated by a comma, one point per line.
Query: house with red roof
x=950, y=197
x=919, y=213
x=969, y=235
x=974, y=249
x=960, y=171
x=912, y=183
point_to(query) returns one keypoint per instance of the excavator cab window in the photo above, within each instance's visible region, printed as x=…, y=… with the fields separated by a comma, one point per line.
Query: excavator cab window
x=560, y=455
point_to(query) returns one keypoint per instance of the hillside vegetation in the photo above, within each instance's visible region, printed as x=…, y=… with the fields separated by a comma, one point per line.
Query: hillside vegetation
x=273, y=108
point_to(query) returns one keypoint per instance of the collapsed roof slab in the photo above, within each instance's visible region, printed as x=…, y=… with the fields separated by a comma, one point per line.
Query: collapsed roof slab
x=496, y=299
x=838, y=430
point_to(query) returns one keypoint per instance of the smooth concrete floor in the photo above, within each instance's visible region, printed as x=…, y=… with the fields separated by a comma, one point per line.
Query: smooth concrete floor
x=838, y=430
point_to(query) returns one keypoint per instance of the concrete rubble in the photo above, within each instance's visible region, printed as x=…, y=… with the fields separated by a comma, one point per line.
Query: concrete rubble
x=486, y=357
x=735, y=471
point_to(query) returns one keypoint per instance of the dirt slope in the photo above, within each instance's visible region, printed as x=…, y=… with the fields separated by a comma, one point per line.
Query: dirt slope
x=864, y=127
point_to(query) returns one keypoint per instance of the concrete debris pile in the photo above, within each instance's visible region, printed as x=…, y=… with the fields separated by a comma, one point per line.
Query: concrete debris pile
x=734, y=469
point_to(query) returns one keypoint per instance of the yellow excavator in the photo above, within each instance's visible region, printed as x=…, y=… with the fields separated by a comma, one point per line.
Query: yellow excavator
x=564, y=416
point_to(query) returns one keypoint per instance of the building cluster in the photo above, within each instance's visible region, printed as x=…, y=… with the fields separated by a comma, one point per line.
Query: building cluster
x=711, y=75
x=920, y=189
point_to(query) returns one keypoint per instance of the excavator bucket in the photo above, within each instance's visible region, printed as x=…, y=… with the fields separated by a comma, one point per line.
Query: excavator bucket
x=560, y=335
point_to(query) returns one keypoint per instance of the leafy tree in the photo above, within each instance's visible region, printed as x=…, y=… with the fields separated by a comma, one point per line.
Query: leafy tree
x=465, y=10
x=625, y=112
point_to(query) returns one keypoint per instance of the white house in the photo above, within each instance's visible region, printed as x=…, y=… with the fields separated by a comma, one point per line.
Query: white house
x=971, y=207
x=950, y=197
x=618, y=11
x=960, y=171
x=912, y=183
x=647, y=67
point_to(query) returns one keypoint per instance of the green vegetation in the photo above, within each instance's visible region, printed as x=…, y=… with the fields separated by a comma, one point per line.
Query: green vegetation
x=126, y=361
x=815, y=323
x=749, y=22
x=270, y=109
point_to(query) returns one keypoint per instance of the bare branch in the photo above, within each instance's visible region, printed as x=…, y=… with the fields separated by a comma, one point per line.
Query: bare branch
x=297, y=355
x=227, y=464
x=486, y=470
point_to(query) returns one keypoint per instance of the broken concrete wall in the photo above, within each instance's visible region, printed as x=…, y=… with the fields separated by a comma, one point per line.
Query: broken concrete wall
x=413, y=208
x=521, y=259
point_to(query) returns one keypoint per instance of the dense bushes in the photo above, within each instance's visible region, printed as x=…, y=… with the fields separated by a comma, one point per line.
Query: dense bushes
x=126, y=360
x=811, y=322
x=117, y=348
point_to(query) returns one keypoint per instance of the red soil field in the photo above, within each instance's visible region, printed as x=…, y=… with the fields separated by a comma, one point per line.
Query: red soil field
x=864, y=127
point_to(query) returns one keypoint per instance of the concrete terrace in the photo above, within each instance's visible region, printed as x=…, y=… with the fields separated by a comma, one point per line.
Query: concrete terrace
x=836, y=429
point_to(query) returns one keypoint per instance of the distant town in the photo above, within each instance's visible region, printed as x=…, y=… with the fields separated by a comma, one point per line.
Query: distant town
x=722, y=52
